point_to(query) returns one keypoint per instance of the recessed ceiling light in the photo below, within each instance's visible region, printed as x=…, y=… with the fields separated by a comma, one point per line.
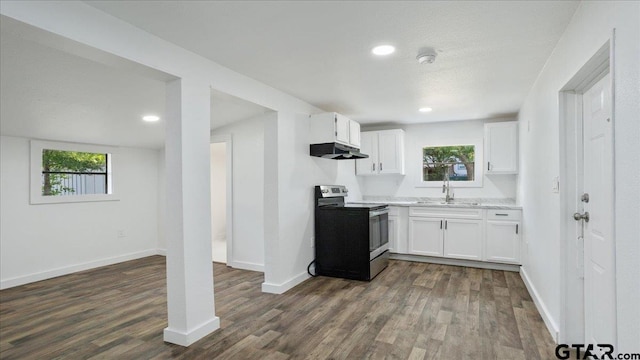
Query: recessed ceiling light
x=383, y=50
x=150, y=118
x=425, y=109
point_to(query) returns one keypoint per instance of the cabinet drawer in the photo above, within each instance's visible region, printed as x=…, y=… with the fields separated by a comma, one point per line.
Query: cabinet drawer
x=443, y=212
x=493, y=214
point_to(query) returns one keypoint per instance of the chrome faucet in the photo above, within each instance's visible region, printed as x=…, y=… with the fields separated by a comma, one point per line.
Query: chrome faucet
x=446, y=188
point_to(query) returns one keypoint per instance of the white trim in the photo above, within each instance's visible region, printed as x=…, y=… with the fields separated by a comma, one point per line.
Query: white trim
x=35, y=188
x=285, y=286
x=246, y=265
x=552, y=327
x=48, y=274
x=455, y=262
x=185, y=339
x=571, y=154
x=161, y=252
x=228, y=140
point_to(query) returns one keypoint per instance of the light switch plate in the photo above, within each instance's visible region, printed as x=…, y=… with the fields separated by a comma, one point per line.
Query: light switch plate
x=555, y=184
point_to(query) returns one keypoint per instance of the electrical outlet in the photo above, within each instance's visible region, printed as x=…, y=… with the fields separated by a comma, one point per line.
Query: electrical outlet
x=555, y=184
x=120, y=233
x=313, y=241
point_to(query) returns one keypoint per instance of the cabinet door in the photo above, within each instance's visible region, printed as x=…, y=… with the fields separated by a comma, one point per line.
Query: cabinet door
x=425, y=236
x=354, y=134
x=369, y=146
x=390, y=152
x=463, y=239
x=502, y=242
x=342, y=129
x=501, y=148
x=393, y=234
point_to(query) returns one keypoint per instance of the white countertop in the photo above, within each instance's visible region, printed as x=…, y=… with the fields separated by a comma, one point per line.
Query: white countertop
x=457, y=203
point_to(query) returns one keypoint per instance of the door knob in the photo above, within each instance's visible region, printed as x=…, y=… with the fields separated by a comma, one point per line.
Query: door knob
x=578, y=216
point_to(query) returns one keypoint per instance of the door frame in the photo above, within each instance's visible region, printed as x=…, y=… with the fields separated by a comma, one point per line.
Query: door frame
x=572, y=298
x=228, y=141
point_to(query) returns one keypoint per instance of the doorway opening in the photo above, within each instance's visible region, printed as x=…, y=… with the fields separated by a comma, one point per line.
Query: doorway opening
x=588, y=246
x=221, y=198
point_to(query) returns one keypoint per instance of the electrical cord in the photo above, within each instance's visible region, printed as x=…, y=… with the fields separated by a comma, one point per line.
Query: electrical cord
x=309, y=269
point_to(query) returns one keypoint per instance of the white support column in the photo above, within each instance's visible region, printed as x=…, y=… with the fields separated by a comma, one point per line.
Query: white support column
x=190, y=300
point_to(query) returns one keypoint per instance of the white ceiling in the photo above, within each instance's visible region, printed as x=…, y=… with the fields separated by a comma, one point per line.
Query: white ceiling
x=83, y=95
x=490, y=52
x=489, y=55
x=51, y=94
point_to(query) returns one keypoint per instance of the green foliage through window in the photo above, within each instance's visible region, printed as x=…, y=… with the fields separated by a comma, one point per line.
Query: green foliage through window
x=73, y=173
x=458, y=161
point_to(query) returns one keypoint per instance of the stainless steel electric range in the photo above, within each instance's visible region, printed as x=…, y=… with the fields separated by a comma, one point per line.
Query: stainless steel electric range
x=351, y=240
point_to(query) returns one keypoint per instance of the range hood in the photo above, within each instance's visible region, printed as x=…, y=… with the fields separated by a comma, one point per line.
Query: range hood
x=336, y=151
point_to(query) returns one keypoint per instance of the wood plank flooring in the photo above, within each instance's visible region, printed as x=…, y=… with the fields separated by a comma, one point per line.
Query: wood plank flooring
x=410, y=311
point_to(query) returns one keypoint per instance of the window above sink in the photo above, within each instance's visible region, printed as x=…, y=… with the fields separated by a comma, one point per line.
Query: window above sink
x=457, y=161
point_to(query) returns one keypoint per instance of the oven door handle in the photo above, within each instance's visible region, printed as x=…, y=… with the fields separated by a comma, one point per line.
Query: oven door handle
x=375, y=213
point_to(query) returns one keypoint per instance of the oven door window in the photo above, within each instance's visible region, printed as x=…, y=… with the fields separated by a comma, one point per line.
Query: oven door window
x=378, y=231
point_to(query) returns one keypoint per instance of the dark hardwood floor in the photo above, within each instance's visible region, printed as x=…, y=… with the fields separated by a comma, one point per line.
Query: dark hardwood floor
x=410, y=311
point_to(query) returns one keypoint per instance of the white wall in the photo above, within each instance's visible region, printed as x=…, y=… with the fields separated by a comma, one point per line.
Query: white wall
x=48, y=240
x=442, y=133
x=248, y=191
x=290, y=175
x=590, y=28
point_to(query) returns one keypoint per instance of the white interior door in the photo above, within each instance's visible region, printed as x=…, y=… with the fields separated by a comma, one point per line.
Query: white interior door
x=599, y=261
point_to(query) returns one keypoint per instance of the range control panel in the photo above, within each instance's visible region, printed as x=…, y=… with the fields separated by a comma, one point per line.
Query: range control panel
x=331, y=190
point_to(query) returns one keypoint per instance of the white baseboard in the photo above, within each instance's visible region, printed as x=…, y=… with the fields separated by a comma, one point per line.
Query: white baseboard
x=552, y=327
x=44, y=275
x=188, y=338
x=285, y=286
x=162, y=252
x=246, y=266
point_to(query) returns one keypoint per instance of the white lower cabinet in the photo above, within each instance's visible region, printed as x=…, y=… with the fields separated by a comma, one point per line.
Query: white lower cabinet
x=453, y=238
x=463, y=239
x=502, y=236
x=465, y=233
x=425, y=236
x=398, y=217
x=393, y=233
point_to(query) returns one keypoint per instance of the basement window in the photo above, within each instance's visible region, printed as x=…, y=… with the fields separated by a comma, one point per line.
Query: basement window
x=455, y=162
x=65, y=172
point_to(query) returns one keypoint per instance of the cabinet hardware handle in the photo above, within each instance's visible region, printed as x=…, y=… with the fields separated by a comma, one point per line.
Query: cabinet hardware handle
x=445, y=224
x=517, y=228
x=374, y=166
x=440, y=224
x=502, y=214
x=489, y=166
x=380, y=166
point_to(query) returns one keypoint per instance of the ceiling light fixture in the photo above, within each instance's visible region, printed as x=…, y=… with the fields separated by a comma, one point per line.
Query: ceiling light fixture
x=150, y=118
x=425, y=109
x=383, y=50
x=427, y=56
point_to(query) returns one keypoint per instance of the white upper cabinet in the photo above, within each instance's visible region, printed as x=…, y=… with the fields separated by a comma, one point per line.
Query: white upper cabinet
x=501, y=148
x=369, y=146
x=354, y=134
x=332, y=127
x=386, y=153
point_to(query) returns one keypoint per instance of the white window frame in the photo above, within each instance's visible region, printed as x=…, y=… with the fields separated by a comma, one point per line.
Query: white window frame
x=37, y=146
x=478, y=171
